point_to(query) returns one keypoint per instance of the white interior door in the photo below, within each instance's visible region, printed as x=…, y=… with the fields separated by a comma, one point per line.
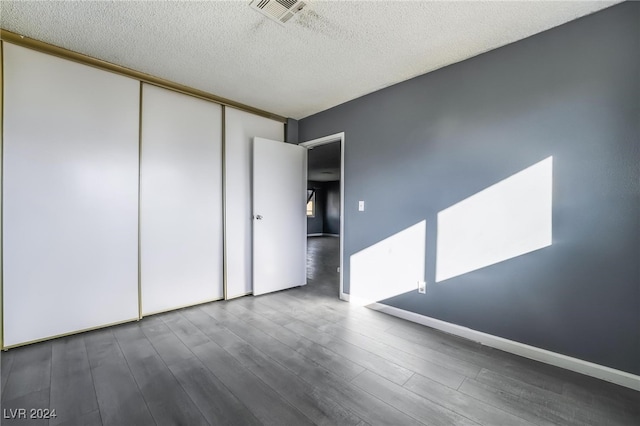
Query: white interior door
x=240, y=127
x=279, y=211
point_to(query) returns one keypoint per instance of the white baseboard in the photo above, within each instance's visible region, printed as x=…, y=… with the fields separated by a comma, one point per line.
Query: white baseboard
x=323, y=235
x=612, y=375
x=344, y=296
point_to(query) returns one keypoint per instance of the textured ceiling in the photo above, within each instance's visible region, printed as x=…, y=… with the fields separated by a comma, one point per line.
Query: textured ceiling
x=332, y=52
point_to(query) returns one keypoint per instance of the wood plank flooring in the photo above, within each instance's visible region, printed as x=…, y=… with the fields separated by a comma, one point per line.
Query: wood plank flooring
x=298, y=357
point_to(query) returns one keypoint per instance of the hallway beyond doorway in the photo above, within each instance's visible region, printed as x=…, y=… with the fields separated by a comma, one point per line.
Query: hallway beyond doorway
x=323, y=259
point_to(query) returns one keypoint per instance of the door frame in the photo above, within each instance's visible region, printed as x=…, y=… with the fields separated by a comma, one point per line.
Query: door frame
x=336, y=137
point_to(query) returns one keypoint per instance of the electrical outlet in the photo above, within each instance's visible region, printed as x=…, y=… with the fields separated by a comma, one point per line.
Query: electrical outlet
x=422, y=287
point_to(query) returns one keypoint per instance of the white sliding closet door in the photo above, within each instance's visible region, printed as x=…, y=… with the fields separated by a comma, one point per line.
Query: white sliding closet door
x=180, y=200
x=70, y=196
x=240, y=129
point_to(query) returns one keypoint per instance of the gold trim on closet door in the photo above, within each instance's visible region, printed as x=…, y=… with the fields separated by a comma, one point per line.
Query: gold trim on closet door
x=1, y=193
x=224, y=204
x=139, y=204
x=189, y=305
x=107, y=66
x=71, y=333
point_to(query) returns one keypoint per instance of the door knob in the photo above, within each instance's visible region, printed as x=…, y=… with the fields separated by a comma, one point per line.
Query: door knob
x=259, y=217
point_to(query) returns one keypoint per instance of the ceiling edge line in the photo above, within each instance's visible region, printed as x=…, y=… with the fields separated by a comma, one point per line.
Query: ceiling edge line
x=30, y=43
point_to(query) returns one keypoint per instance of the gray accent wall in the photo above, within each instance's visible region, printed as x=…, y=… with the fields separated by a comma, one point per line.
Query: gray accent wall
x=331, y=213
x=420, y=146
x=327, y=217
x=291, y=131
x=315, y=224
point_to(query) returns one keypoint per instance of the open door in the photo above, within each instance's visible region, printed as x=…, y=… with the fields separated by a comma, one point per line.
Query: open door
x=279, y=215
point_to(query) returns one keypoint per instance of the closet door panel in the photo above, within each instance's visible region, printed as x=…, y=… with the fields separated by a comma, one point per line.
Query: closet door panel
x=180, y=200
x=240, y=129
x=70, y=196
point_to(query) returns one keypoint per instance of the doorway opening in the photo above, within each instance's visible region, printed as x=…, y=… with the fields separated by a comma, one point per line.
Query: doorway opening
x=325, y=214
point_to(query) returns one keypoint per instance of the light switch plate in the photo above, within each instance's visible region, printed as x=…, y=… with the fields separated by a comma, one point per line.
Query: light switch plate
x=360, y=206
x=422, y=287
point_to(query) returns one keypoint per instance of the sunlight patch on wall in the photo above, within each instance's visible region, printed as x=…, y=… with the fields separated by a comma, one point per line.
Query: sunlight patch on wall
x=390, y=267
x=508, y=219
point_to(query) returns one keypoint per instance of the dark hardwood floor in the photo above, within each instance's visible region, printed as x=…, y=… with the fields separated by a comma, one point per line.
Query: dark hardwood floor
x=297, y=357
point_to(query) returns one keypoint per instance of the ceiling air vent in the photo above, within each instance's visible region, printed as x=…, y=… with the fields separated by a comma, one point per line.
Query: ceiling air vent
x=278, y=10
